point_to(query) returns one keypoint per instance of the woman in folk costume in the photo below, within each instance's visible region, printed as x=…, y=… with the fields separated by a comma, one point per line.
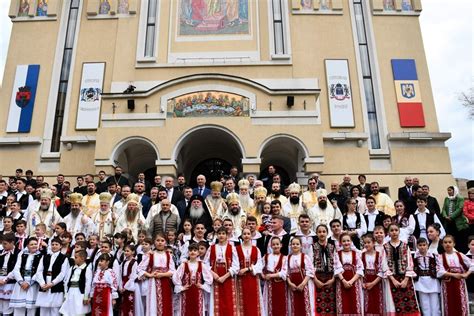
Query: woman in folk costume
x=248, y=282
x=104, y=288
x=275, y=273
x=192, y=280
x=127, y=284
x=349, y=270
x=24, y=294
x=374, y=271
x=399, y=291
x=78, y=287
x=50, y=276
x=454, y=271
x=300, y=283
x=324, y=281
x=224, y=262
x=158, y=267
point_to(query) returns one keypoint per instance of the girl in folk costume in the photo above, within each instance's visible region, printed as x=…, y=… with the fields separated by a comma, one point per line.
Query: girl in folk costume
x=104, y=288
x=374, y=270
x=8, y=259
x=349, y=269
x=300, y=285
x=248, y=282
x=399, y=292
x=78, y=287
x=50, y=276
x=275, y=273
x=224, y=263
x=192, y=279
x=379, y=238
x=128, y=287
x=427, y=285
x=142, y=281
x=454, y=270
x=92, y=248
x=24, y=294
x=324, y=281
x=158, y=267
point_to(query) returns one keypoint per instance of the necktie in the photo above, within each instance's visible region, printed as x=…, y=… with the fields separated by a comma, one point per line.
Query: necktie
x=200, y=191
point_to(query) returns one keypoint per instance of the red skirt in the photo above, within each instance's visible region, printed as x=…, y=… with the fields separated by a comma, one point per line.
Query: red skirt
x=224, y=294
x=191, y=301
x=276, y=300
x=373, y=298
x=249, y=294
x=347, y=299
x=164, y=296
x=127, y=304
x=101, y=300
x=454, y=297
x=300, y=304
x=325, y=296
x=404, y=299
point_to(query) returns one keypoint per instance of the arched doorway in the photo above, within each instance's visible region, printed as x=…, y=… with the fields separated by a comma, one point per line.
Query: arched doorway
x=286, y=153
x=135, y=155
x=210, y=150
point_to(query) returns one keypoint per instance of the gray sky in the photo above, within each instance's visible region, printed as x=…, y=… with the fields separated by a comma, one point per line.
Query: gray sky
x=447, y=28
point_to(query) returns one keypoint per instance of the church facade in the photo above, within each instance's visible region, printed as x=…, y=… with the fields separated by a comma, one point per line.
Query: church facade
x=174, y=86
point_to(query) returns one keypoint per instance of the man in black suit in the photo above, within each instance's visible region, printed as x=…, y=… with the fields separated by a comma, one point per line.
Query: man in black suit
x=431, y=202
x=3, y=193
x=174, y=195
x=201, y=188
x=21, y=195
x=101, y=185
x=277, y=231
x=405, y=192
x=276, y=211
x=139, y=189
x=181, y=182
x=183, y=204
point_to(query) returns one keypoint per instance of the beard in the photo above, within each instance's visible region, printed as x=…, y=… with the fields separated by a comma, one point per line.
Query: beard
x=216, y=202
x=234, y=210
x=244, y=201
x=44, y=207
x=196, y=212
x=276, y=193
x=75, y=212
x=323, y=204
x=295, y=200
x=131, y=215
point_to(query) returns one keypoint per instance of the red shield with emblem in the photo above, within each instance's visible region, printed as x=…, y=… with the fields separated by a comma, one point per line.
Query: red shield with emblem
x=23, y=96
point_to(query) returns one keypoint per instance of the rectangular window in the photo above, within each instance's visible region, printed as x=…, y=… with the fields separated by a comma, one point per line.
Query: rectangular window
x=150, y=33
x=279, y=43
x=367, y=74
x=64, y=77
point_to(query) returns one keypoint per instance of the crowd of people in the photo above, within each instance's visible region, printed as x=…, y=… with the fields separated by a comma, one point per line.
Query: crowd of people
x=245, y=246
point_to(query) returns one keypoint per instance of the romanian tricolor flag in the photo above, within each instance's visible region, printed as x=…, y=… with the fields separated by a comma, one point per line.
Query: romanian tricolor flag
x=410, y=108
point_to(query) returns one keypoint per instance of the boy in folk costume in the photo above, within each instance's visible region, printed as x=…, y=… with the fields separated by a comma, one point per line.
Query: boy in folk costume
x=192, y=280
x=128, y=287
x=158, y=267
x=426, y=284
x=104, y=288
x=7, y=281
x=26, y=289
x=50, y=276
x=454, y=270
x=224, y=262
x=78, y=286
